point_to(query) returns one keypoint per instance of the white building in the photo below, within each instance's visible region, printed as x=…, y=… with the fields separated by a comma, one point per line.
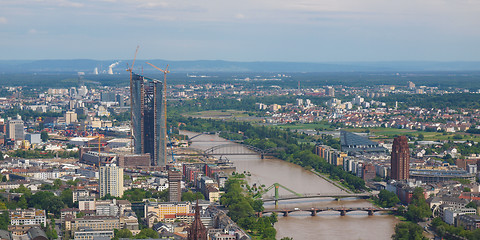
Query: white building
x=111, y=180
x=30, y=216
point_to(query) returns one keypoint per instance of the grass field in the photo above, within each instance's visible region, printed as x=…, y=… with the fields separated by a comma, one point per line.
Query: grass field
x=219, y=114
x=307, y=126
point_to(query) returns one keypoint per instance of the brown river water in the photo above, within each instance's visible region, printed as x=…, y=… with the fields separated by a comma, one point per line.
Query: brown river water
x=301, y=225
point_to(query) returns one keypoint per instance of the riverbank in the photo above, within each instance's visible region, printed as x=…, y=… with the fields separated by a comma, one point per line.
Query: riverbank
x=326, y=178
x=301, y=225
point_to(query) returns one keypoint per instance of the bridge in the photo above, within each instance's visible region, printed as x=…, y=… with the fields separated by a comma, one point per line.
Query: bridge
x=277, y=197
x=317, y=195
x=226, y=149
x=313, y=211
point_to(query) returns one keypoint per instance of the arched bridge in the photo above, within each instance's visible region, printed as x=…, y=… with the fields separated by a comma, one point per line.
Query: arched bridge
x=277, y=197
x=342, y=210
x=240, y=149
x=316, y=195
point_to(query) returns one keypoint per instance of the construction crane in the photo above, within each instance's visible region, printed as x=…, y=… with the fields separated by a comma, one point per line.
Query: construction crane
x=131, y=93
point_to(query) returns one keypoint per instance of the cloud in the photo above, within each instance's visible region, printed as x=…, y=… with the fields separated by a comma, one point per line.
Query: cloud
x=240, y=16
x=3, y=20
x=65, y=3
x=153, y=5
x=32, y=31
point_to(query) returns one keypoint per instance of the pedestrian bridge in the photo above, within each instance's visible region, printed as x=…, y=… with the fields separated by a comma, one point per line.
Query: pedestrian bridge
x=317, y=195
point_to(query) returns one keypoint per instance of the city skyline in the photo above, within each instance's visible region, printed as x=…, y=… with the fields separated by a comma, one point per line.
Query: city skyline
x=306, y=31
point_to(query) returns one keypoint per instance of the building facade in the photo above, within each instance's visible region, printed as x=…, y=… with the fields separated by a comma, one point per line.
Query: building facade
x=111, y=180
x=15, y=129
x=149, y=118
x=400, y=158
x=28, y=217
x=174, y=186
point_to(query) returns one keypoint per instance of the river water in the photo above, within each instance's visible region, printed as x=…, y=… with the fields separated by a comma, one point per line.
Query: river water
x=300, y=225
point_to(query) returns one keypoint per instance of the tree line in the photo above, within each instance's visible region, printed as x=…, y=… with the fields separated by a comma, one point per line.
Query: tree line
x=286, y=145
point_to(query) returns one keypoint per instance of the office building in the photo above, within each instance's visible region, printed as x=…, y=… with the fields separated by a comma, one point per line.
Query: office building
x=174, y=186
x=330, y=91
x=15, y=129
x=108, y=97
x=70, y=117
x=111, y=180
x=400, y=160
x=149, y=118
x=33, y=138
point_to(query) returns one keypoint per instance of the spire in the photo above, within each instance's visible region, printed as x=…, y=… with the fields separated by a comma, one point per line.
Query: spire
x=197, y=231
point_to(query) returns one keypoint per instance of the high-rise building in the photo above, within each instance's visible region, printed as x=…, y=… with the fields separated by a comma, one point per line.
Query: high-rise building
x=111, y=180
x=15, y=129
x=400, y=159
x=120, y=100
x=108, y=97
x=174, y=186
x=330, y=91
x=70, y=117
x=149, y=118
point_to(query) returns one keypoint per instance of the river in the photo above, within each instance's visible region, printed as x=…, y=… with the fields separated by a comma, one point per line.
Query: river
x=300, y=225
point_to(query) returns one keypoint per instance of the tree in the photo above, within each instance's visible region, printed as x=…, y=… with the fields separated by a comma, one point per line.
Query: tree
x=57, y=183
x=191, y=196
x=47, y=201
x=258, y=205
x=418, y=209
x=4, y=220
x=44, y=136
x=147, y=233
x=387, y=199
x=421, y=137
x=471, y=204
x=67, y=197
x=408, y=231
x=122, y=233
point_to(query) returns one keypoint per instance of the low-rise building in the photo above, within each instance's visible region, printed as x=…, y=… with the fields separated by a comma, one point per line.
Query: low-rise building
x=30, y=216
x=469, y=222
x=156, y=211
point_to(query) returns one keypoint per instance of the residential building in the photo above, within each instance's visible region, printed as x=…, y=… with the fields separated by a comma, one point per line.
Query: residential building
x=29, y=216
x=111, y=180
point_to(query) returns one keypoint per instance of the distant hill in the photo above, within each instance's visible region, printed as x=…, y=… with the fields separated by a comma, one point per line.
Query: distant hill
x=88, y=66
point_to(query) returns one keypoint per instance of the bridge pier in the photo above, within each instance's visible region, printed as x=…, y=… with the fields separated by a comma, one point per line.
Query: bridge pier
x=314, y=213
x=370, y=212
x=343, y=212
x=285, y=213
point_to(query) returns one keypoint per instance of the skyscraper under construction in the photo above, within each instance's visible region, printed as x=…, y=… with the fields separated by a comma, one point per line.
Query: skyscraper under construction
x=148, y=108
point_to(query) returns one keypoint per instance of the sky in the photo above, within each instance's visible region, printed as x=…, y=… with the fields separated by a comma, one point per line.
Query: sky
x=248, y=30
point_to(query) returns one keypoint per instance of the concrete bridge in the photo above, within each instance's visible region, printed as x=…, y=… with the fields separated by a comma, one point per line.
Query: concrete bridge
x=313, y=211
